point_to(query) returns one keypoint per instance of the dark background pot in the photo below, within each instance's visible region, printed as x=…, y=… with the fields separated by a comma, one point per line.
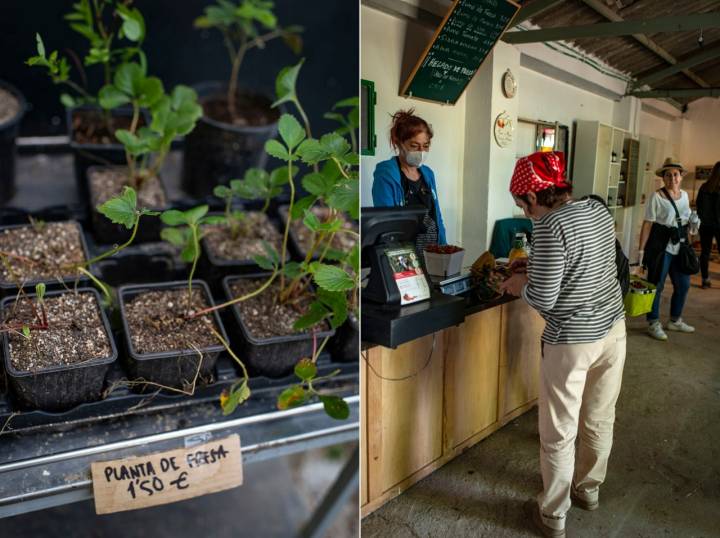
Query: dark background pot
x=8, y=132
x=216, y=152
x=108, y=233
x=9, y=288
x=272, y=357
x=170, y=368
x=87, y=155
x=61, y=387
x=344, y=346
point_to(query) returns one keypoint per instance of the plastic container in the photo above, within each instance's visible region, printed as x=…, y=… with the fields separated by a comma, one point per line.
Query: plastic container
x=170, y=368
x=272, y=357
x=61, y=387
x=87, y=155
x=345, y=345
x=444, y=264
x=8, y=133
x=295, y=245
x=216, y=152
x=214, y=269
x=106, y=232
x=9, y=288
x=639, y=301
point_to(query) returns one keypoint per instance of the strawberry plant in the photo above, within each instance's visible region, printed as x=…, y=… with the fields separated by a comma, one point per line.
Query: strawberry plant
x=245, y=25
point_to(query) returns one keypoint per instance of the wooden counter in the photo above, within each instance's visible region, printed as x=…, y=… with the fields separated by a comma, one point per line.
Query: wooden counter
x=428, y=400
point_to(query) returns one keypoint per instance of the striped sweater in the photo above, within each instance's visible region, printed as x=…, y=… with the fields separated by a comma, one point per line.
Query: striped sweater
x=572, y=276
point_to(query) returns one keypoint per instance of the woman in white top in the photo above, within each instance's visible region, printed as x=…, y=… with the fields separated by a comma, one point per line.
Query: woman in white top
x=659, y=248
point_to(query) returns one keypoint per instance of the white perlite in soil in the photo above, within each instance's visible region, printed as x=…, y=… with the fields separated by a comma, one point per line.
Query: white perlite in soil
x=9, y=106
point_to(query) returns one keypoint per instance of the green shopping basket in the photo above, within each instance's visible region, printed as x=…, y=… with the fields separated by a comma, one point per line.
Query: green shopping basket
x=640, y=297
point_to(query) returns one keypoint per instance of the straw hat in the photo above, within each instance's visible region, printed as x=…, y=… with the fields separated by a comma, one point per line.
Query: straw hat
x=670, y=162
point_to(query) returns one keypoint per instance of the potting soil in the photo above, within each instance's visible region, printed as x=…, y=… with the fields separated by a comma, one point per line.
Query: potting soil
x=255, y=229
x=9, y=106
x=108, y=182
x=91, y=127
x=341, y=241
x=251, y=111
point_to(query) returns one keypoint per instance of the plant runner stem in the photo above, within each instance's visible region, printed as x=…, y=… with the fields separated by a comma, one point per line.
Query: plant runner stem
x=114, y=250
x=287, y=229
x=236, y=299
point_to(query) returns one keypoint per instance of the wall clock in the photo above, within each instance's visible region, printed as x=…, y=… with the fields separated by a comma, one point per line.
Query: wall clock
x=509, y=84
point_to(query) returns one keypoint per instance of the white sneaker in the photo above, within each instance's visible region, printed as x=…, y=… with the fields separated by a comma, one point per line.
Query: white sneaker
x=656, y=331
x=681, y=326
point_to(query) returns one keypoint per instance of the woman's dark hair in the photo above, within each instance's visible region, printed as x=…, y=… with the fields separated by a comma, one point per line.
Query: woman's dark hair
x=405, y=125
x=548, y=197
x=713, y=184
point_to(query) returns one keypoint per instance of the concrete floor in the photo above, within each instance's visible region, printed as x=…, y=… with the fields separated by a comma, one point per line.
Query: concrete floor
x=664, y=473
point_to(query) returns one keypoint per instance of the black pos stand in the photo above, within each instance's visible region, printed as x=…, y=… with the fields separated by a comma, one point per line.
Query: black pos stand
x=384, y=321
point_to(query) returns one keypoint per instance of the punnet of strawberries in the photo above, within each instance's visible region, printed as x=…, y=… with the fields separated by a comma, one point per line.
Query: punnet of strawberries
x=443, y=249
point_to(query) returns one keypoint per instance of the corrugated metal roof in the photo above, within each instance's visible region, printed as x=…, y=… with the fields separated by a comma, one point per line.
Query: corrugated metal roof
x=630, y=56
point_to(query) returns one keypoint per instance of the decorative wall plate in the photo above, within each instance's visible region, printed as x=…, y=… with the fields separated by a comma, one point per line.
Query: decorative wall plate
x=509, y=84
x=503, y=129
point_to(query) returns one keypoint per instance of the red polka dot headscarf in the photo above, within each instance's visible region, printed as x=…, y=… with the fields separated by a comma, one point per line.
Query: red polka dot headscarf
x=537, y=172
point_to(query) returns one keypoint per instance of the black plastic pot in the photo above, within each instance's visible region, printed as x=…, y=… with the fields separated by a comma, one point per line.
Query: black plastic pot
x=345, y=345
x=65, y=386
x=147, y=262
x=170, y=368
x=216, y=152
x=9, y=288
x=272, y=357
x=108, y=233
x=214, y=269
x=87, y=155
x=8, y=132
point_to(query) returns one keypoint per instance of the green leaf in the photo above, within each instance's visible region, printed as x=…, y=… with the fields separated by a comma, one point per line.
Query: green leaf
x=337, y=302
x=40, y=290
x=292, y=269
x=279, y=176
x=26, y=331
x=190, y=251
x=133, y=26
x=121, y=209
x=318, y=184
x=285, y=84
x=271, y=253
x=311, y=221
x=305, y=369
x=291, y=131
x=193, y=215
x=264, y=262
x=292, y=397
x=315, y=314
x=276, y=149
x=40, y=45
x=221, y=191
x=236, y=396
x=350, y=102
x=128, y=78
x=346, y=197
x=301, y=205
x=335, y=407
x=213, y=220
x=353, y=259
x=174, y=236
x=311, y=151
x=68, y=100
x=335, y=145
x=150, y=91
x=110, y=97
x=332, y=278
x=173, y=217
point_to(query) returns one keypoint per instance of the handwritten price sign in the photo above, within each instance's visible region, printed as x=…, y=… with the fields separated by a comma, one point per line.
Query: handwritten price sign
x=167, y=477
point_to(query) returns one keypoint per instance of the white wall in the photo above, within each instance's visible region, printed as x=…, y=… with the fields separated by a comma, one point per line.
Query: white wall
x=384, y=40
x=544, y=98
x=700, y=144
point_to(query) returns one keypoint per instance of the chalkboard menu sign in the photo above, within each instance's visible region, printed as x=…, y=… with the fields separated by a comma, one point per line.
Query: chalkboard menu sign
x=465, y=37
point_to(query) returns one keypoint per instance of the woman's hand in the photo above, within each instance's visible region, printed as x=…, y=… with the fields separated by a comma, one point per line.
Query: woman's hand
x=514, y=284
x=519, y=265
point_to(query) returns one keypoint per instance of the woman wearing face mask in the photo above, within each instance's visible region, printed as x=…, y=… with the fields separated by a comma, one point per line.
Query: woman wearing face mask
x=659, y=247
x=571, y=280
x=404, y=180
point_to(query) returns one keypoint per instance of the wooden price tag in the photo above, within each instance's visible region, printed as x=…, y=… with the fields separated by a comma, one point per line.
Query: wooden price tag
x=167, y=477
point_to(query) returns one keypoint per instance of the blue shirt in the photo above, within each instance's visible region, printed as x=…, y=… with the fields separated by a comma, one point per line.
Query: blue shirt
x=387, y=190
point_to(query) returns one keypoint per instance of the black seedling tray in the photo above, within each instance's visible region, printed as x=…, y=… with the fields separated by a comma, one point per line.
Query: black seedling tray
x=123, y=401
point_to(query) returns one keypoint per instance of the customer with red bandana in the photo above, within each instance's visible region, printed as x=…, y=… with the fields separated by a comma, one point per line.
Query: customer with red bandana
x=571, y=280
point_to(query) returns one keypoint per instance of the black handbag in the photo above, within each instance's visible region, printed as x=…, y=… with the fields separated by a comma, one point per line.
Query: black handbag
x=688, y=260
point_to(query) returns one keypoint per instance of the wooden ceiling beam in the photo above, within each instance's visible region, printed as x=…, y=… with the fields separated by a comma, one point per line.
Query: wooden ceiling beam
x=707, y=54
x=693, y=93
x=648, y=43
x=533, y=9
x=675, y=23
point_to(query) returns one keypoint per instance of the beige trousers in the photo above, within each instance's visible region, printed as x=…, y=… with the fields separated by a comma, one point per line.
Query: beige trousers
x=579, y=384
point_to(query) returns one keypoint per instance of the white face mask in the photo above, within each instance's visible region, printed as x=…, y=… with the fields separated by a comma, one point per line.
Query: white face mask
x=415, y=158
